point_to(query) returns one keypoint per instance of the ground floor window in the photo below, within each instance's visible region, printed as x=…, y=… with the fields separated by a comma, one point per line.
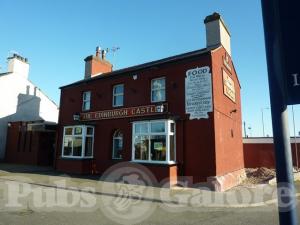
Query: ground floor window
x=154, y=141
x=78, y=141
x=117, y=145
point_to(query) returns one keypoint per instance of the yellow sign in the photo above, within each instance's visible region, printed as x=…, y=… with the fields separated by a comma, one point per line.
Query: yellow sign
x=229, y=89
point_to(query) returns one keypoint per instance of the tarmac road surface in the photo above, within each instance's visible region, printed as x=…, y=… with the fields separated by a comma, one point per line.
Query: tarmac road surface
x=44, y=197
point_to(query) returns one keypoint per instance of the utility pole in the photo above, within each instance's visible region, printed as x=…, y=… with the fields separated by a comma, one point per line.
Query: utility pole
x=245, y=132
x=263, y=122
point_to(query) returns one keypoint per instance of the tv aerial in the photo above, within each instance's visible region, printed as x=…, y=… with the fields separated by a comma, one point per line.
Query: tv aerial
x=103, y=52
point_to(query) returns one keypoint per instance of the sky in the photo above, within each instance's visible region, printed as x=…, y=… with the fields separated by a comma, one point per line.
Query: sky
x=56, y=36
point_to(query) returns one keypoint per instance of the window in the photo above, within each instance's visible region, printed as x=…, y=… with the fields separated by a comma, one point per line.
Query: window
x=86, y=101
x=117, y=145
x=118, y=95
x=78, y=142
x=154, y=141
x=158, y=90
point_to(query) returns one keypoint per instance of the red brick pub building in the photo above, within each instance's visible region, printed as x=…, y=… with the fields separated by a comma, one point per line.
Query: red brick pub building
x=178, y=116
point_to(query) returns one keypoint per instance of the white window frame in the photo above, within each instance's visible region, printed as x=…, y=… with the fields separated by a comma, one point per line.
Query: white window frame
x=120, y=138
x=117, y=95
x=167, y=133
x=83, y=135
x=85, y=100
x=158, y=89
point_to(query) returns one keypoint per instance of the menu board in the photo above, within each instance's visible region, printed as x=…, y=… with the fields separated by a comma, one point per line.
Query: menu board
x=198, y=93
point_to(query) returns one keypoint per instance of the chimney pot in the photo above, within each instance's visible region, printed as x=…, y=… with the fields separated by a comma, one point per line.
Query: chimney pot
x=103, y=54
x=98, y=50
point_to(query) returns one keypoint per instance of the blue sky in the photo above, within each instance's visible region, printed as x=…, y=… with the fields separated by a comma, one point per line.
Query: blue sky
x=56, y=35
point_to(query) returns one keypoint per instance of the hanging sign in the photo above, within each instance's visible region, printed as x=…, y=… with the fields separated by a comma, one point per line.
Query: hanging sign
x=198, y=93
x=282, y=22
x=289, y=25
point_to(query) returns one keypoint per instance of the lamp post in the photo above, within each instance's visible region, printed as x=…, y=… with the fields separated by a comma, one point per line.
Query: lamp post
x=245, y=132
x=262, y=120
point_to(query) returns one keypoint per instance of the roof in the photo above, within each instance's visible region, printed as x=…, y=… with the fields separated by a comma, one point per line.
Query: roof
x=7, y=73
x=146, y=65
x=40, y=90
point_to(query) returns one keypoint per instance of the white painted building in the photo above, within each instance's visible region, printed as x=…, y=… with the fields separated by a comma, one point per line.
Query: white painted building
x=20, y=99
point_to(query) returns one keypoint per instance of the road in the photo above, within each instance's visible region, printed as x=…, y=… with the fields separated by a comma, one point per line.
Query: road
x=48, y=199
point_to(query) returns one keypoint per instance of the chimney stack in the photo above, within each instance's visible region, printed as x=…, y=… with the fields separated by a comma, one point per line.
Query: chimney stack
x=96, y=65
x=217, y=32
x=19, y=65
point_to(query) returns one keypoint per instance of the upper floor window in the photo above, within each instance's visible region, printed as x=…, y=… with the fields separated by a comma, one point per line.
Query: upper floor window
x=86, y=101
x=158, y=90
x=78, y=142
x=118, y=95
x=117, y=145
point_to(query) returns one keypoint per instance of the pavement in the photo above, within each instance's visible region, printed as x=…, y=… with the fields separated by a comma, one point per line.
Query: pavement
x=39, y=195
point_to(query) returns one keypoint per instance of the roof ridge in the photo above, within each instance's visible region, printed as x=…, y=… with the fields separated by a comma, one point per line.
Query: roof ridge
x=147, y=64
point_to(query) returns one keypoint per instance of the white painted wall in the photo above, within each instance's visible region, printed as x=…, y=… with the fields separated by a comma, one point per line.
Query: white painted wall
x=17, y=66
x=21, y=100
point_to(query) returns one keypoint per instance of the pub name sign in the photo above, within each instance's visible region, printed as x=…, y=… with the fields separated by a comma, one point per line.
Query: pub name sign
x=125, y=112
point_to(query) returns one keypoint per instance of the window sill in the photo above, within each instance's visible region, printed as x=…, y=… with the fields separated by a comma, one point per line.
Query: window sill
x=117, y=106
x=155, y=163
x=76, y=158
x=160, y=101
x=117, y=159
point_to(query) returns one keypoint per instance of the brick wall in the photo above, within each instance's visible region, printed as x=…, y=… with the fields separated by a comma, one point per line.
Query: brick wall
x=29, y=147
x=260, y=153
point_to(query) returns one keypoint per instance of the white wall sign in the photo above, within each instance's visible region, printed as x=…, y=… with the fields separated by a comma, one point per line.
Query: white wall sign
x=198, y=93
